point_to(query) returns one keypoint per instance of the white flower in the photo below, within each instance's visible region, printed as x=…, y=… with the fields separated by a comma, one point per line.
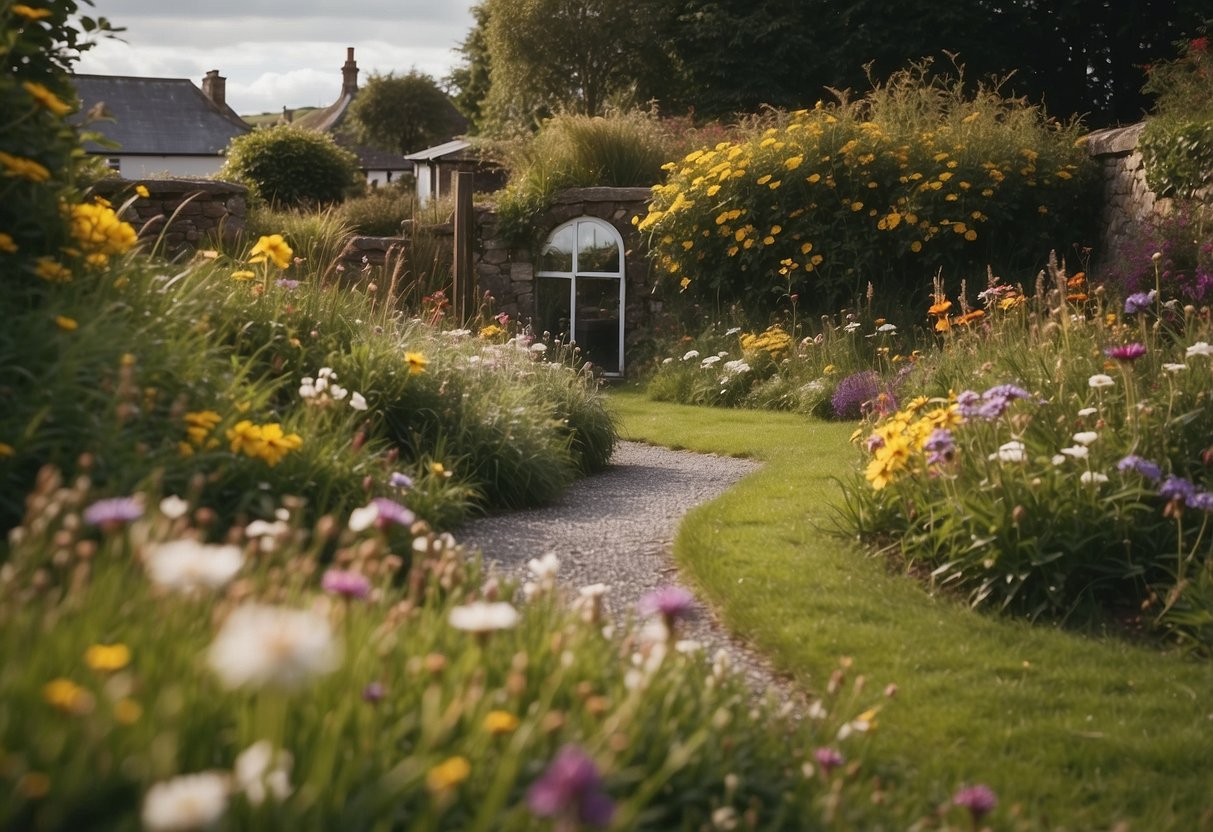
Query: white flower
x=709, y=361
x=357, y=401
x=852, y=326
x=1012, y=451
x=173, y=507
x=736, y=367
x=732, y=330
x=1058, y=459
x=260, y=645
x=1089, y=477
x=337, y=392
x=187, y=565
x=887, y=328
x=669, y=360
x=1100, y=380
x=362, y=518
x=544, y=569
x=307, y=388
x=690, y=354
x=1174, y=368
x=539, y=348
x=192, y=801
x=1199, y=348
x=1077, y=452
x=1085, y=437
x=261, y=771
x=458, y=333
x=723, y=353
x=1088, y=411
x=481, y=617
x=593, y=590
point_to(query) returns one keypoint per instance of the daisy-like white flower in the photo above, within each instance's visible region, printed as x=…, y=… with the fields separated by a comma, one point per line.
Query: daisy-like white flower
x=1100, y=380
x=187, y=565
x=262, y=771
x=1199, y=348
x=544, y=570
x=709, y=361
x=260, y=646
x=173, y=507
x=690, y=354
x=357, y=401
x=1077, y=452
x=481, y=617
x=1092, y=478
x=539, y=348
x=1088, y=411
x=1174, y=368
x=1085, y=437
x=192, y=801
x=732, y=331
x=1013, y=451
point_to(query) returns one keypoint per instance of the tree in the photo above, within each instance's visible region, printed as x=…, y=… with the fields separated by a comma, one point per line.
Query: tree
x=471, y=79
x=404, y=113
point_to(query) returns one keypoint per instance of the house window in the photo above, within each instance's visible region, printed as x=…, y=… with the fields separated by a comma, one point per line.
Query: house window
x=579, y=290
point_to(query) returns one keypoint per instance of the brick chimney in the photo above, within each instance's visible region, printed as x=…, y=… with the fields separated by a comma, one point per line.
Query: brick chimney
x=349, y=73
x=214, y=87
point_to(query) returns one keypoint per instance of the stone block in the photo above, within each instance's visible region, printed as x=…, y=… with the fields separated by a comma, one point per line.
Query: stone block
x=521, y=272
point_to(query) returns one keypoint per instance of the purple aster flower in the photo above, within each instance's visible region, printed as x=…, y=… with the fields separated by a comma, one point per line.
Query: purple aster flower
x=991, y=409
x=1006, y=391
x=399, y=480
x=374, y=692
x=286, y=283
x=671, y=602
x=828, y=758
x=940, y=446
x=979, y=800
x=853, y=392
x=114, y=511
x=345, y=584
x=391, y=512
x=1140, y=302
x=1201, y=501
x=968, y=402
x=1149, y=470
x=571, y=791
x=1126, y=352
x=1178, y=489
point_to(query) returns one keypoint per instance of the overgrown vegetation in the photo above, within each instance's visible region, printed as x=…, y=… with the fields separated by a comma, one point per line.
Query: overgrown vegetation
x=290, y=166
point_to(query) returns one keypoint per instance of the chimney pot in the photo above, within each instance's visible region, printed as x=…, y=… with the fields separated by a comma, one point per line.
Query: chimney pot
x=349, y=73
x=214, y=87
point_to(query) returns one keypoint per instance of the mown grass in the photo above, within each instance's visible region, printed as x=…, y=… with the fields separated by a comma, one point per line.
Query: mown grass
x=1081, y=730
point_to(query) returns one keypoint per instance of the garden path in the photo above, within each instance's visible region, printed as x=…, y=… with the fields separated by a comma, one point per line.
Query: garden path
x=617, y=528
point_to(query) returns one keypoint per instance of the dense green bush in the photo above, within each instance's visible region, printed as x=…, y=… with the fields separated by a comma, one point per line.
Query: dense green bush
x=1177, y=142
x=916, y=177
x=288, y=166
x=380, y=213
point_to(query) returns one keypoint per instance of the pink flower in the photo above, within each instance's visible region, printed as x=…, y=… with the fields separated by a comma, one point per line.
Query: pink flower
x=345, y=584
x=1126, y=352
x=980, y=800
x=571, y=791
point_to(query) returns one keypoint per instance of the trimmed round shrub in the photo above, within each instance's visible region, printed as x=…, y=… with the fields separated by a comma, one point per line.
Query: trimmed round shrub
x=287, y=165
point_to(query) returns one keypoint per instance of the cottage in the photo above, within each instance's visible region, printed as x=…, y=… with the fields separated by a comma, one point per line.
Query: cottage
x=434, y=166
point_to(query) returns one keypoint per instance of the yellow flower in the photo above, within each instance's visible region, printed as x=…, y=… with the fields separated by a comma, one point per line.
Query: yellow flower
x=99, y=230
x=51, y=271
x=500, y=722
x=65, y=323
x=416, y=361
x=491, y=331
x=447, y=775
x=244, y=436
x=6, y=449
x=274, y=444
x=107, y=658
x=142, y=191
x=970, y=235
x=6, y=243
x=437, y=469
x=916, y=246
x=67, y=696
x=684, y=283
x=127, y=711
x=243, y=274
x=856, y=206
x=47, y=98
x=28, y=12
x=24, y=168
x=829, y=369
x=273, y=247
x=793, y=163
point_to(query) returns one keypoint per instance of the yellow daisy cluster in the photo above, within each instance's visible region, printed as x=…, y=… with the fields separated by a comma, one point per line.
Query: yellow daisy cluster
x=199, y=427
x=491, y=331
x=47, y=99
x=266, y=442
x=23, y=168
x=99, y=231
x=774, y=341
x=274, y=249
x=896, y=444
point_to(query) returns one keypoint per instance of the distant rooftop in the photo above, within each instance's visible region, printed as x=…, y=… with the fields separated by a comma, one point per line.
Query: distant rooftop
x=156, y=116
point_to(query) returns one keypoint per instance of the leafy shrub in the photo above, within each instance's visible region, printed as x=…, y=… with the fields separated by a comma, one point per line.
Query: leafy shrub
x=289, y=166
x=916, y=177
x=380, y=213
x=1184, y=266
x=1177, y=142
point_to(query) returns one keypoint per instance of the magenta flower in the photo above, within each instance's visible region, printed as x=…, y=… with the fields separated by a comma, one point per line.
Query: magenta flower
x=114, y=511
x=1126, y=352
x=571, y=792
x=980, y=800
x=828, y=758
x=399, y=480
x=345, y=584
x=671, y=603
x=374, y=692
x=392, y=512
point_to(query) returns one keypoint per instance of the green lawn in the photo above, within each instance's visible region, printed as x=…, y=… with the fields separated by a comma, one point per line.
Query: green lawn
x=1081, y=731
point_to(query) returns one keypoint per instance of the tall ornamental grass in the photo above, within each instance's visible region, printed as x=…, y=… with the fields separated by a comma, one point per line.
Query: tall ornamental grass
x=915, y=178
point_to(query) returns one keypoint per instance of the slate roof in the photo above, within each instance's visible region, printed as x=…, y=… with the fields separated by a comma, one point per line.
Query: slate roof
x=452, y=149
x=156, y=116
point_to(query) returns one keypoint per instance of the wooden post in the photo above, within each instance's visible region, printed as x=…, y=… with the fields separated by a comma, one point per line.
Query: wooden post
x=464, y=283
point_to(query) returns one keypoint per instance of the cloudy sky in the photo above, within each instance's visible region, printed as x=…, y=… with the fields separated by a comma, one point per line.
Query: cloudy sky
x=277, y=53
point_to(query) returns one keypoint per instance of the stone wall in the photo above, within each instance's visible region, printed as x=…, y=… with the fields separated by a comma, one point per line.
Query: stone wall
x=191, y=213
x=1128, y=202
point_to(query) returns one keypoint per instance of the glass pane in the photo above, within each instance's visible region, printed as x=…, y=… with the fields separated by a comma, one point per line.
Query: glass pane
x=597, y=250
x=552, y=306
x=597, y=330
x=557, y=255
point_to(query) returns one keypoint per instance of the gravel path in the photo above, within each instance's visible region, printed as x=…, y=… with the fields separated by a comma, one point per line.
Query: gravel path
x=617, y=528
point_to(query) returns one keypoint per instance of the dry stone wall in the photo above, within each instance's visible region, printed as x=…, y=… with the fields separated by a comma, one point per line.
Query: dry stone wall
x=1128, y=202
x=188, y=214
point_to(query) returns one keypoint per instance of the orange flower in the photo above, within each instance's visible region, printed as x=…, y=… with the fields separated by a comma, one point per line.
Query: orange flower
x=1076, y=281
x=1077, y=297
x=969, y=317
x=940, y=308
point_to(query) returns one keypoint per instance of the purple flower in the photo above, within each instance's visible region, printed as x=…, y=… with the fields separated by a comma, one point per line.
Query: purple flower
x=286, y=283
x=113, y=511
x=1140, y=302
x=392, y=512
x=399, y=480
x=1126, y=352
x=571, y=791
x=1201, y=501
x=979, y=800
x=374, y=692
x=968, y=403
x=1177, y=488
x=1149, y=470
x=345, y=584
x=940, y=446
x=828, y=758
x=1006, y=391
x=671, y=602
x=853, y=392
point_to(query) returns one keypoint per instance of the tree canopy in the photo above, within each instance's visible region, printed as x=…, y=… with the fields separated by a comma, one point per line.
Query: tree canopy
x=403, y=113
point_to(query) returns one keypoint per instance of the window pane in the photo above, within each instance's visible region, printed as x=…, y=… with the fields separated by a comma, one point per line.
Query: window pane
x=597, y=250
x=558, y=253
x=598, y=321
x=552, y=306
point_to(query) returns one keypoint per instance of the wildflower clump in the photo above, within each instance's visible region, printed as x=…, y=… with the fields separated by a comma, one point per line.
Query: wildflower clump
x=268, y=442
x=99, y=232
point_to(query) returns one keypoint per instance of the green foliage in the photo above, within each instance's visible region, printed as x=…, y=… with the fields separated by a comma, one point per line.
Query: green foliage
x=316, y=236
x=916, y=177
x=577, y=152
x=403, y=113
x=380, y=213
x=1178, y=156
x=471, y=79
x=290, y=166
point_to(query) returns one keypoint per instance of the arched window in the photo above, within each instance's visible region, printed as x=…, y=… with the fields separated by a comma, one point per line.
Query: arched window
x=579, y=290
